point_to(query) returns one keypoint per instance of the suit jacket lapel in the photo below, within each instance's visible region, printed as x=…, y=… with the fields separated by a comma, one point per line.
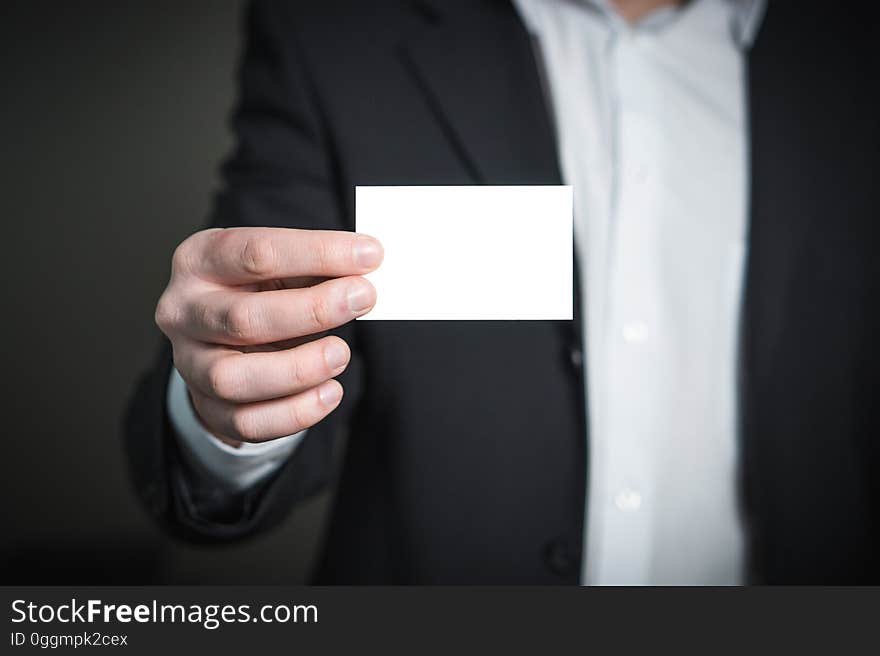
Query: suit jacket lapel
x=475, y=65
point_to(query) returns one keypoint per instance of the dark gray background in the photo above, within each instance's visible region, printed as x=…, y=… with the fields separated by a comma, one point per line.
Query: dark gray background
x=114, y=119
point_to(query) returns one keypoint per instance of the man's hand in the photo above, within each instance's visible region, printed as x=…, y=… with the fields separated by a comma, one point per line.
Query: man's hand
x=244, y=310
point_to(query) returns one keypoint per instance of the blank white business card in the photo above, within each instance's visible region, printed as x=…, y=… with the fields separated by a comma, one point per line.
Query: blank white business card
x=470, y=252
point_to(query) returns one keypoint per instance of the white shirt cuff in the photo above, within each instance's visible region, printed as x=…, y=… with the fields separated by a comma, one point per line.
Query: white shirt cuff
x=236, y=468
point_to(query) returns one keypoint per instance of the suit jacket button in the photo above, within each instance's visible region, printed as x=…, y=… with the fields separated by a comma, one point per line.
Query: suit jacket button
x=577, y=357
x=559, y=558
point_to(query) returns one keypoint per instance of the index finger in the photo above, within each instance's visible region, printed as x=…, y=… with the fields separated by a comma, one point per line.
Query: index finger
x=248, y=255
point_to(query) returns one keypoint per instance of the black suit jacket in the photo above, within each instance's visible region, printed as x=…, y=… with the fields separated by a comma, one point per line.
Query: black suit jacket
x=465, y=458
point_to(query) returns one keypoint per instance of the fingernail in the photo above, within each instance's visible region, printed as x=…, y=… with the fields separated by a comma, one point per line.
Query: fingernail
x=330, y=392
x=335, y=355
x=367, y=252
x=359, y=297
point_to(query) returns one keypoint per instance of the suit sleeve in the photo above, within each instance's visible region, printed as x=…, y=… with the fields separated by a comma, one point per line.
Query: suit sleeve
x=281, y=173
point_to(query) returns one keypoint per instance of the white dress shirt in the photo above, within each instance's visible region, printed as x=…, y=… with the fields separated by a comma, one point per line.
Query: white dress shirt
x=651, y=124
x=652, y=134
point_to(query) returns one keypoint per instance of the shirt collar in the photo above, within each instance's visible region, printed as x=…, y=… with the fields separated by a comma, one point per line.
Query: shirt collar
x=746, y=17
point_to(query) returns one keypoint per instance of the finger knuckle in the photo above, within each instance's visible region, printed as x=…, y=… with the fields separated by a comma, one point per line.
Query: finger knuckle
x=239, y=320
x=259, y=257
x=167, y=314
x=246, y=425
x=298, y=373
x=182, y=258
x=224, y=381
x=319, y=312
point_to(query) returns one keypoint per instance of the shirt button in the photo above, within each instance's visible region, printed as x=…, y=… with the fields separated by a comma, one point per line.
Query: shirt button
x=628, y=500
x=635, y=332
